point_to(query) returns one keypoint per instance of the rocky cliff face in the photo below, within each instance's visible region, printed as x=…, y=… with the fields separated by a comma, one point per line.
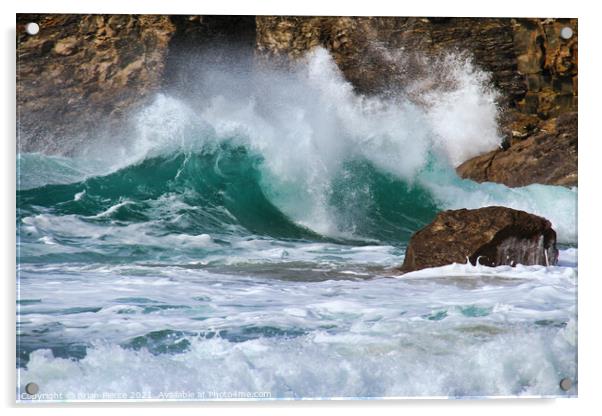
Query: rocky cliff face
x=541, y=127
x=83, y=72
x=535, y=69
x=532, y=65
x=548, y=156
x=547, y=63
x=375, y=53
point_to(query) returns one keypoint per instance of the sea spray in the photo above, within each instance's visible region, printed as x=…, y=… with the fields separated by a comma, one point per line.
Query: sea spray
x=307, y=130
x=244, y=239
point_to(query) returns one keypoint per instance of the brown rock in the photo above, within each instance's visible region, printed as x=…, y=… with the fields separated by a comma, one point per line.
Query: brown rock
x=531, y=65
x=66, y=46
x=362, y=46
x=493, y=236
x=83, y=73
x=79, y=69
x=547, y=62
x=546, y=157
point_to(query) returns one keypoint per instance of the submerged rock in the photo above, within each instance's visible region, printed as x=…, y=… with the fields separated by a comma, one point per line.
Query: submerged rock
x=493, y=236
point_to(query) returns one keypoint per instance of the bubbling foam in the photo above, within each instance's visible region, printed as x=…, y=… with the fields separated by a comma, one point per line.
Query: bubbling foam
x=306, y=123
x=311, y=119
x=313, y=367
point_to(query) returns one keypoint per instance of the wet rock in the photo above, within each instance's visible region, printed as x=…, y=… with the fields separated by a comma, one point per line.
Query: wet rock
x=376, y=54
x=548, y=156
x=491, y=236
x=530, y=63
x=83, y=73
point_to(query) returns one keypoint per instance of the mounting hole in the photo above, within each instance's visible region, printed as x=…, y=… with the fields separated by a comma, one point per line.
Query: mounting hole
x=566, y=384
x=566, y=33
x=32, y=388
x=32, y=28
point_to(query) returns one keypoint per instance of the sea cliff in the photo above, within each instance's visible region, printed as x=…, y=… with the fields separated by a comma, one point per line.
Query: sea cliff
x=84, y=73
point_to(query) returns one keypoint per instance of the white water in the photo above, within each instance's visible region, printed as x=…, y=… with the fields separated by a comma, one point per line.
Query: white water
x=305, y=124
x=483, y=331
x=295, y=319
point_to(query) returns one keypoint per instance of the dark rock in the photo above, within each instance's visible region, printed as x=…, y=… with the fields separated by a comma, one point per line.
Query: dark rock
x=548, y=157
x=361, y=46
x=84, y=73
x=493, y=236
x=81, y=73
x=533, y=67
x=527, y=58
x=213, y=42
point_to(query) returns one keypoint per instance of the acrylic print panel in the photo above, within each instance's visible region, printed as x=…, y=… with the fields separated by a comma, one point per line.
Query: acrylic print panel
x=272, y=207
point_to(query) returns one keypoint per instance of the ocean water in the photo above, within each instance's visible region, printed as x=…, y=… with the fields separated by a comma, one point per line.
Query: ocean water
x=244, y=244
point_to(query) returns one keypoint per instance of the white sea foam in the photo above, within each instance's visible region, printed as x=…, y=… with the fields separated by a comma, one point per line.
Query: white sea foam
x=319, y=365
x=95, y=236
x=78, y=196
x=464, y=117
x=483, y=331
x=112, y=209
x=295, y=318
x=305, y=124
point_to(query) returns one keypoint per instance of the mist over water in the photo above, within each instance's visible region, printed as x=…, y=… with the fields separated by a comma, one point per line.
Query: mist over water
x=245, y=227
x=312, y=136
